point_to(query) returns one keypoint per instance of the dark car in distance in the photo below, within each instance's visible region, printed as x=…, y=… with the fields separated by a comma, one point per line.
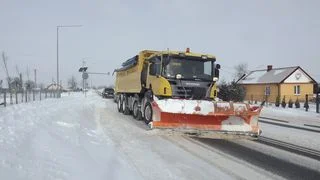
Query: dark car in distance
x=108, y=93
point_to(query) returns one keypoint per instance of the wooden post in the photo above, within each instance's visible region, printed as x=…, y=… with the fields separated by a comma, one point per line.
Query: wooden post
x=16, y=97
x=317, y=102
x=34, y=96
x=40, y=94
x=5, y=99
x=306, y=104
x=26, y=96
x=11, y=101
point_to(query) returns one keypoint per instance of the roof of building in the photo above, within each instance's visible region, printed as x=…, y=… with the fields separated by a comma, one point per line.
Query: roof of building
x=54, y=86
x=273, y=76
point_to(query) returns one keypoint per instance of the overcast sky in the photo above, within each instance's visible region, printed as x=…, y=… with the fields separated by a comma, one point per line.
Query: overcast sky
x=278, y=32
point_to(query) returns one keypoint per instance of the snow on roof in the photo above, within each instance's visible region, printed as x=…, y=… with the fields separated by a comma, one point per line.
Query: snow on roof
x=276, y=75
x=54, y=87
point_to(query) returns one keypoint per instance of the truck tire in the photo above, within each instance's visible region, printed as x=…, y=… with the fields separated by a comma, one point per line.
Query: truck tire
x=148, y=113
x=136, y=111
x=125, y=105
x=119, y=104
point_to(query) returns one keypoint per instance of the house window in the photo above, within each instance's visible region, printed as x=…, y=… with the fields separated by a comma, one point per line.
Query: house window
x=297, y=90
x=267, y=91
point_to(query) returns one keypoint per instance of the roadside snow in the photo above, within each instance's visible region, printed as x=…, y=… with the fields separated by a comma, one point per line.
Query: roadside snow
x=58, y=139
x=293, y=136
x=293, y=115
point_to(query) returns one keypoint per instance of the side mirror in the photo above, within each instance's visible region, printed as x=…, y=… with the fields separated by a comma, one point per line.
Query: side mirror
x=216, y=72
x=154, y=69
x=166, y=61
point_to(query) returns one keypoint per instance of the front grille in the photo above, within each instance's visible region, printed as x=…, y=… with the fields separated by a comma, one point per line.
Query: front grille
x=182, y=92
x=189, y=92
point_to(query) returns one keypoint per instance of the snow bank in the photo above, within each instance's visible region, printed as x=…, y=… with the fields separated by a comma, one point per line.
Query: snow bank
x=293, y=115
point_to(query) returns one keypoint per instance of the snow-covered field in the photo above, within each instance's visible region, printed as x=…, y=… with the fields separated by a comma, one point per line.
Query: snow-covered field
x=78, y=137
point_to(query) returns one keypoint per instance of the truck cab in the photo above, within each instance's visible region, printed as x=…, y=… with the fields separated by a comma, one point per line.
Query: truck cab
x=182, y=75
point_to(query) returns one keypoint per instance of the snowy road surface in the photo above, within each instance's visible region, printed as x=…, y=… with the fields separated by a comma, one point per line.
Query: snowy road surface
x=86, y=138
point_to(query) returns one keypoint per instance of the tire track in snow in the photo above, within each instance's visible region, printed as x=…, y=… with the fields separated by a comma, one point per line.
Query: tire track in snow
x=311, y=153
x=270, y=163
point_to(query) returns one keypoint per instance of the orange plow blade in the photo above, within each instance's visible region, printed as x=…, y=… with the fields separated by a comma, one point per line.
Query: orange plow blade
x=206, y=118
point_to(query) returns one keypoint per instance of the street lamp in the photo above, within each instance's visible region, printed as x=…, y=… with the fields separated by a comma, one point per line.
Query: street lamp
x=61, y=26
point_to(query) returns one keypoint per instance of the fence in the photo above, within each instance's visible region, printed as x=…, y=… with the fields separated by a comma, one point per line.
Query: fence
x=310, y=99
x=10, y=98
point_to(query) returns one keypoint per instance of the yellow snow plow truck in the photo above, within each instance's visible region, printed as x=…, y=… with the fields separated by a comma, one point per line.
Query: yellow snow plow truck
x=177, y=91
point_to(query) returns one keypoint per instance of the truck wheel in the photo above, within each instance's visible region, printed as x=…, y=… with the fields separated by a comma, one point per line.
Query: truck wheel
x=136, y=111
x=148, y=113
x=119, y=104
x=125, y=107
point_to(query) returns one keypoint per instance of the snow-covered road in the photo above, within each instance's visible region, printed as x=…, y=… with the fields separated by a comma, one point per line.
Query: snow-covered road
x=58, y=139
x=86, y=138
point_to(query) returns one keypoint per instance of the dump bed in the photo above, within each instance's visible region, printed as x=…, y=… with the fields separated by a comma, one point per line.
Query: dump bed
x=128, y=77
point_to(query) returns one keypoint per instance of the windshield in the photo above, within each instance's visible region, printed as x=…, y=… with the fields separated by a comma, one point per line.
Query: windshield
x=108, y=90
x=188, y=68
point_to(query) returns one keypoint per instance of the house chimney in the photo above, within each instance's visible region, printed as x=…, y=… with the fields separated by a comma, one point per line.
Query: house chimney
x=269, y=67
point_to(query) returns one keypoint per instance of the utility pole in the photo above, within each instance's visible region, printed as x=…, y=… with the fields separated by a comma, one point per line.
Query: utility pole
x=28, y=74
x=83, y=80
x=17, y=69
x=21, y=86
x=58, y=27
x=57, y=56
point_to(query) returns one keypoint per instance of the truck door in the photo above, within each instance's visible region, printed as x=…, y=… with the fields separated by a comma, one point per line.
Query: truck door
x=144, y=74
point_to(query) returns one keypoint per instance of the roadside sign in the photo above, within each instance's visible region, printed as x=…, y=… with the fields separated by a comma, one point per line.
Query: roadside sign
x=85, y=75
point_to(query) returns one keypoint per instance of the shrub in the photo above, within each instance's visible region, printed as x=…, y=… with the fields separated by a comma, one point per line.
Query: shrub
x=283, y=103
x=277, y=101
x=297, y=103
x=306, y=105
x=290, y=104
x=231, y=92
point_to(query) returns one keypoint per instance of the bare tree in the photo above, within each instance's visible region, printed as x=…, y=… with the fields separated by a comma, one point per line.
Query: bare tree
x=30, y=84
x=5, y=58
x=72, y=83
x=16, y=84
x=240, y=70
